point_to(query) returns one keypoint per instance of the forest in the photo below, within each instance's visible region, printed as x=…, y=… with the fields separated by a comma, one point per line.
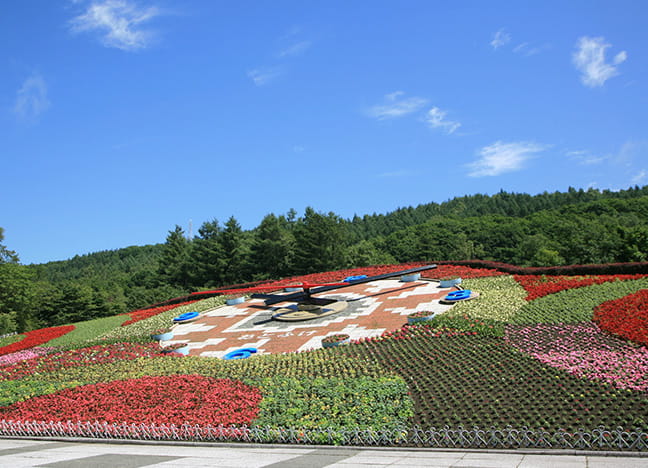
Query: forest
x=547, y=229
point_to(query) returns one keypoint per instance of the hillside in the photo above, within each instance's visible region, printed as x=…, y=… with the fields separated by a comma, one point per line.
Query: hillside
x=559, y=360
x=575, y=227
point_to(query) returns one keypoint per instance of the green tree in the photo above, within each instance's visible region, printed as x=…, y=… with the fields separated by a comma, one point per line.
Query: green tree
x=234, y=255
x=272, y=249
x=174, y=264
x=16, y=298
x=208, y=256
x=319, y=242
x=365, y=253
x=74, y=302
x=6, y=255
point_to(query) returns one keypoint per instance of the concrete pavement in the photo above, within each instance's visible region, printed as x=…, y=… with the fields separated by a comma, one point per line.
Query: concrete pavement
x=18, y=453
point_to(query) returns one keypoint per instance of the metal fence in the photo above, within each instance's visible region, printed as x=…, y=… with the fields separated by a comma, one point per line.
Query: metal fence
x=459, y=437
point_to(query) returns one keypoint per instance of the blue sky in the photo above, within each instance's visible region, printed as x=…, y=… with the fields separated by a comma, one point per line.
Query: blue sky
x=120, y=119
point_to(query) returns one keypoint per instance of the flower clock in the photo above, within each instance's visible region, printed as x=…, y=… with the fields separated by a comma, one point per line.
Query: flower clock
x=178, y=399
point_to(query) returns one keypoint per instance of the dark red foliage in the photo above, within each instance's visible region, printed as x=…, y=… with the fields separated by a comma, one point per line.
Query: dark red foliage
x=37, y=338
x=626, y=317
x=540, y=285
x=177, y=399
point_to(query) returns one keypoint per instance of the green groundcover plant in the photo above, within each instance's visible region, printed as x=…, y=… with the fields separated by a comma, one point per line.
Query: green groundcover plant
x=575, y=305
x=480, y=380
x=142, y=329
x=87, y=332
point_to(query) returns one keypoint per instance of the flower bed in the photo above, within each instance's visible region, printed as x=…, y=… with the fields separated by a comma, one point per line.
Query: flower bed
x=584, y=351
x=340, y=275
x=86, y=332
x=36, y=338
x=191, y=399
x=465, y=323
x=500, y=299
x=142, y=329
x=541, y=285
x=335, y=402
x=626, y=317
x=575, y=305
x=142, y=314
x=18, y=356
x=95, y=355
x=481, y=381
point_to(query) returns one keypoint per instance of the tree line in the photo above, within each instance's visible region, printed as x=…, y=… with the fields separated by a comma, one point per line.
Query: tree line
x=559, y=228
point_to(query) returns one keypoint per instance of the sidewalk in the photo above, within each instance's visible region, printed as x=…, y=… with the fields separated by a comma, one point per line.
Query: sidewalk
x=18, y=453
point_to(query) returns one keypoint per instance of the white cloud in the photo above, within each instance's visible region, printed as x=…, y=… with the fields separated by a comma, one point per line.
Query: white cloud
x=640, y=177
x=527, y=50
x=295, y=49
x=118, y=22
x=31, y=99
x=620, y=57
x=500, y=38
x=263, y=76
x=435, y=118
x=501, y=157
x=589, y=59
x=585, y=157
x=396, y=106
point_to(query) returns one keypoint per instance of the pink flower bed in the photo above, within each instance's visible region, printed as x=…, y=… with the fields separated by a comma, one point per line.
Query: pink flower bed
x=177, y=399
x=583, y=350
x=18, y=356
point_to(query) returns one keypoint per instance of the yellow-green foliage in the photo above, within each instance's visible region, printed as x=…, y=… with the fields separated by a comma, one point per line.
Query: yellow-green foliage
x=336, y=403
x=87, y=331
x=7, y=340
x=500, y=298
x=313, y=364
x=18, y=390
x=165, y=319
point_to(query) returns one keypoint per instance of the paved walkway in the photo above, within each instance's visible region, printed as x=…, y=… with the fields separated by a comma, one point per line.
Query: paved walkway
x=17, y=453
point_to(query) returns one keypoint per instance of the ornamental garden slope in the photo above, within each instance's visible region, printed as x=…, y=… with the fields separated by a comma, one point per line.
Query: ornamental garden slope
x=546, y=353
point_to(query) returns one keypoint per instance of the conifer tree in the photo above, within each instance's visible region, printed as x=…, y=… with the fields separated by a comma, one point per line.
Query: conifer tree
x=319, y=242
x=208, y=256
x=174, y=262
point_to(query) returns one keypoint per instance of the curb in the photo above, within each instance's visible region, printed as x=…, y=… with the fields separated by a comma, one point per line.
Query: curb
x=554, y=452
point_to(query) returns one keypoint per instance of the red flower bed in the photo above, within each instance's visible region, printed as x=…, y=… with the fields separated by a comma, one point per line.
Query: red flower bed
x=102, y=354
x=339, y=275
x=37, y=338
x=141, y=314
x=439, y=272
x=626, y=317
x=178, y=399
x=540, y=285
